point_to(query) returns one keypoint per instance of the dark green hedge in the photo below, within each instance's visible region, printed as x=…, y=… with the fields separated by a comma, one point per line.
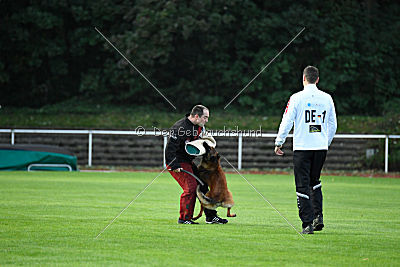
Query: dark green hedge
x=200, y=51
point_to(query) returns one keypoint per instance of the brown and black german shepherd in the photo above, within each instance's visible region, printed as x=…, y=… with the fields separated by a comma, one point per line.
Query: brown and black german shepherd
x=210, y=171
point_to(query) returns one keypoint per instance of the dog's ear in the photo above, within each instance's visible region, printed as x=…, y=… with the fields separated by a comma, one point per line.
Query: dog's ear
x=206, y=146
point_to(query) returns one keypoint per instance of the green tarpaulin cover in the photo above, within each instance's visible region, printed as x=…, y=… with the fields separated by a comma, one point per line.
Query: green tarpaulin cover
x=19, y=157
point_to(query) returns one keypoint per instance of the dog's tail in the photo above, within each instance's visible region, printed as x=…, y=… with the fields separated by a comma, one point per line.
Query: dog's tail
x=209, y=203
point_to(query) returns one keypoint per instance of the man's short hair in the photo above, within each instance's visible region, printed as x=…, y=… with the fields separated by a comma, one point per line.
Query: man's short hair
x=311, y=74
x=198, y=110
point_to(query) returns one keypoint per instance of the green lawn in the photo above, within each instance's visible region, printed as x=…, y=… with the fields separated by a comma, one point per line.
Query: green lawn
x=76, y=115
x=52, y=218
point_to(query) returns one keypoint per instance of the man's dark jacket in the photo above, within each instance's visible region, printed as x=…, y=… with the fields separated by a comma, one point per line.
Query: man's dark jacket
x=181, y=132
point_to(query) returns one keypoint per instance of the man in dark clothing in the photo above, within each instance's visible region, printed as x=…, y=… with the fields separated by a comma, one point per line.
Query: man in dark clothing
x=188, y=129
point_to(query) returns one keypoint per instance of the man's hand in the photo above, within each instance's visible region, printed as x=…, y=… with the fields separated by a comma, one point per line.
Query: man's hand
x=177, y=170
x=278, y=151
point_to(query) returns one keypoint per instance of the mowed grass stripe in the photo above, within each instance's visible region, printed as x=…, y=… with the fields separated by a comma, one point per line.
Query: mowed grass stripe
x=52, y=218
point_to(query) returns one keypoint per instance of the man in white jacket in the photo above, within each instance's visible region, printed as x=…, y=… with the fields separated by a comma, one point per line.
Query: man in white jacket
x=312, y=112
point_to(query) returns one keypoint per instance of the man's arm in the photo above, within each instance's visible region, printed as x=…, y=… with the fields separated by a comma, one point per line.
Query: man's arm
x=332, y=123
x=286, y=125
x=170, y=151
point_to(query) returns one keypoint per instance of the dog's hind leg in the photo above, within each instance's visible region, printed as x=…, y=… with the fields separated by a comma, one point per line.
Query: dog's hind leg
x=229, y=214
x=200, y=213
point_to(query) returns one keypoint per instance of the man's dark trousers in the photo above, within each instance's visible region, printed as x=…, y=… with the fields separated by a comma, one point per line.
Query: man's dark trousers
x=307, y=170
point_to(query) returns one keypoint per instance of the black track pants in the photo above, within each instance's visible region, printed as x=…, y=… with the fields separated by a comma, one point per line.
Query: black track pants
x=307, y=170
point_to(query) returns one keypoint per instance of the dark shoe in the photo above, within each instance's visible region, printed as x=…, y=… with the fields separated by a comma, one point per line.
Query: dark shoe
x=308, y=230
x=318, y=223
x=186, y=222
x=216, y=220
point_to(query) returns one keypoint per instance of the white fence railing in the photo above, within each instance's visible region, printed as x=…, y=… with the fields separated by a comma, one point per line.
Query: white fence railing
x=239, y=135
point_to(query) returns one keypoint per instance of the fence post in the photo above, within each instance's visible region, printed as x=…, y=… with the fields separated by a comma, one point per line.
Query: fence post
x=165, y=145
x=240, y=140
x=386, y=154
x=12, y=137
x=90, y=149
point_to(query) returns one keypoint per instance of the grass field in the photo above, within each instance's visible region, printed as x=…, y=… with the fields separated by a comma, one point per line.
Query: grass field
x=74, y=114
x=52, y=218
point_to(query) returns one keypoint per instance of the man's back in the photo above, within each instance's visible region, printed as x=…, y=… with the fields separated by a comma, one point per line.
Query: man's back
x=313, y=114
